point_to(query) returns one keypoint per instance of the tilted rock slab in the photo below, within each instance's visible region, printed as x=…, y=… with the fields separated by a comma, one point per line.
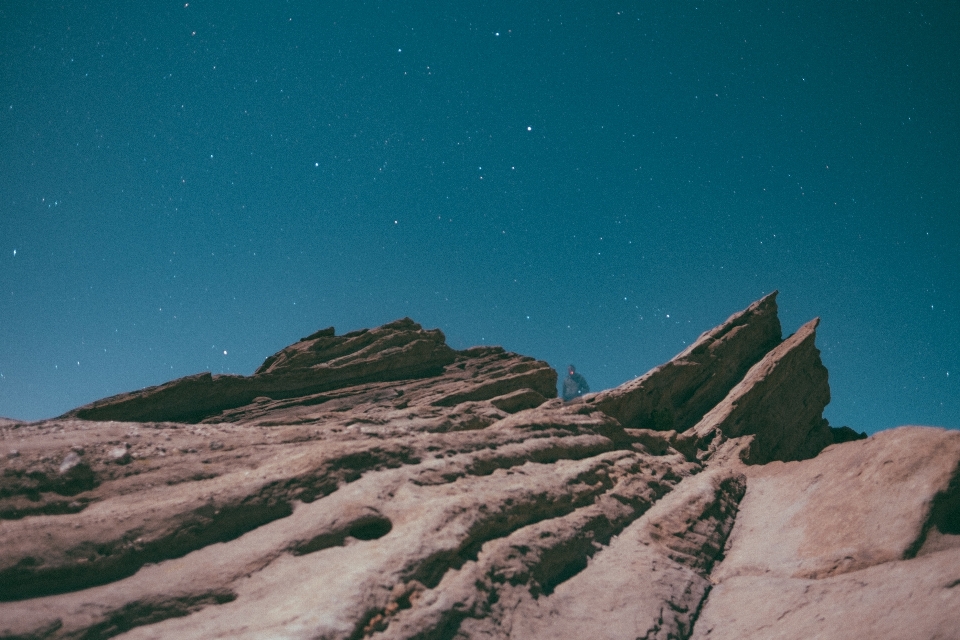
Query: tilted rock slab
x=320, y=362
x=863, y=541
x=675, y=395
x=381, y=485
x=779, y=404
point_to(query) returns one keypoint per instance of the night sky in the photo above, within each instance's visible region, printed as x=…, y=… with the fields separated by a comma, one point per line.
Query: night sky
x=191, y=187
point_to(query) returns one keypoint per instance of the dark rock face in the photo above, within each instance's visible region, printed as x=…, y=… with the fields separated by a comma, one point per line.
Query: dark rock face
x=677, y=394
x=379, y=484
x=779, y=403
x=846, y=434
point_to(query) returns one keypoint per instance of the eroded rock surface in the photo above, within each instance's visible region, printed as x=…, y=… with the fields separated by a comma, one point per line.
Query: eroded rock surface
x=863, y=541
x=675, y=395
x=380, y=484
x=320, y=362
x=779, y=404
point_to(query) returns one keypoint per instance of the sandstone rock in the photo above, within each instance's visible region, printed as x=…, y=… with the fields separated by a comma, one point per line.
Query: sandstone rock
x=863, y=541
x=119, y=455
x=70, y=461
x=518, y=400
x=652, y=579
x=321, y=362
x=846, y=434
x=779, y=403
x=381, y=485
x=912, y=599
x=677, y=394
x=855, y=505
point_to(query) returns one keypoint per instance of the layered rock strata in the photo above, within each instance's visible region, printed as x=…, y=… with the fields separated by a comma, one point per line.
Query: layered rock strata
x=675, y=395
x=320, y=362
x=779, y=404
x=380, y=484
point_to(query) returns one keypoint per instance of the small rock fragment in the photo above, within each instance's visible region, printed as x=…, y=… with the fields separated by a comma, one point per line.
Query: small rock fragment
x=119, y=455
x=71, y=460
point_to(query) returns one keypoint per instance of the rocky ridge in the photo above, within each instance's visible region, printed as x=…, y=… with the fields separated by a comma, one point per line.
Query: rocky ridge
x=380, y=484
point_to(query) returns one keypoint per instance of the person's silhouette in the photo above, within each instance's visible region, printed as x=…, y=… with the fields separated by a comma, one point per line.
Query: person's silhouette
x=574, y=385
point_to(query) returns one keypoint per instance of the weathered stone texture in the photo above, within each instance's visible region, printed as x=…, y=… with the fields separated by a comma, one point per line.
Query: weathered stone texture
x=382, y=485
x=321, y=362
x=918, y=598
x=863, y=541
x=855, y=505
x=779, y=403
x=675, y=395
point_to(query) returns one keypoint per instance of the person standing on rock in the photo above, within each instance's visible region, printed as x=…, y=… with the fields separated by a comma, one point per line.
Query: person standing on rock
x=574, y=385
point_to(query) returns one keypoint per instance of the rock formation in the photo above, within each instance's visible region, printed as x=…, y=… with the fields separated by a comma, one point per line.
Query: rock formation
x=382, y=485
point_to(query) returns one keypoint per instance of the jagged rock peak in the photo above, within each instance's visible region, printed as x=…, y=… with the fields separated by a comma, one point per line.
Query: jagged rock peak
x=677, y=394
x=790, y=428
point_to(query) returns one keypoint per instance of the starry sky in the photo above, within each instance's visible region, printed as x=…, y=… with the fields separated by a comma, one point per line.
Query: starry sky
x=190, y=187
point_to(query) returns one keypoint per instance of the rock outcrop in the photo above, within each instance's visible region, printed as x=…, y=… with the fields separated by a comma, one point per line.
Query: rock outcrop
x=320, y=362
x=861, y=542
x=779, y=403
x=675, y=395
x=380, y=484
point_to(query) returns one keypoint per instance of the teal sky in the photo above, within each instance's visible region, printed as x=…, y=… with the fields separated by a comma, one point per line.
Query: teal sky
x=190, y=187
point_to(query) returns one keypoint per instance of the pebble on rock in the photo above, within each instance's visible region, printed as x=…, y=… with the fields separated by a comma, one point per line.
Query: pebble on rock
x=71, y=460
